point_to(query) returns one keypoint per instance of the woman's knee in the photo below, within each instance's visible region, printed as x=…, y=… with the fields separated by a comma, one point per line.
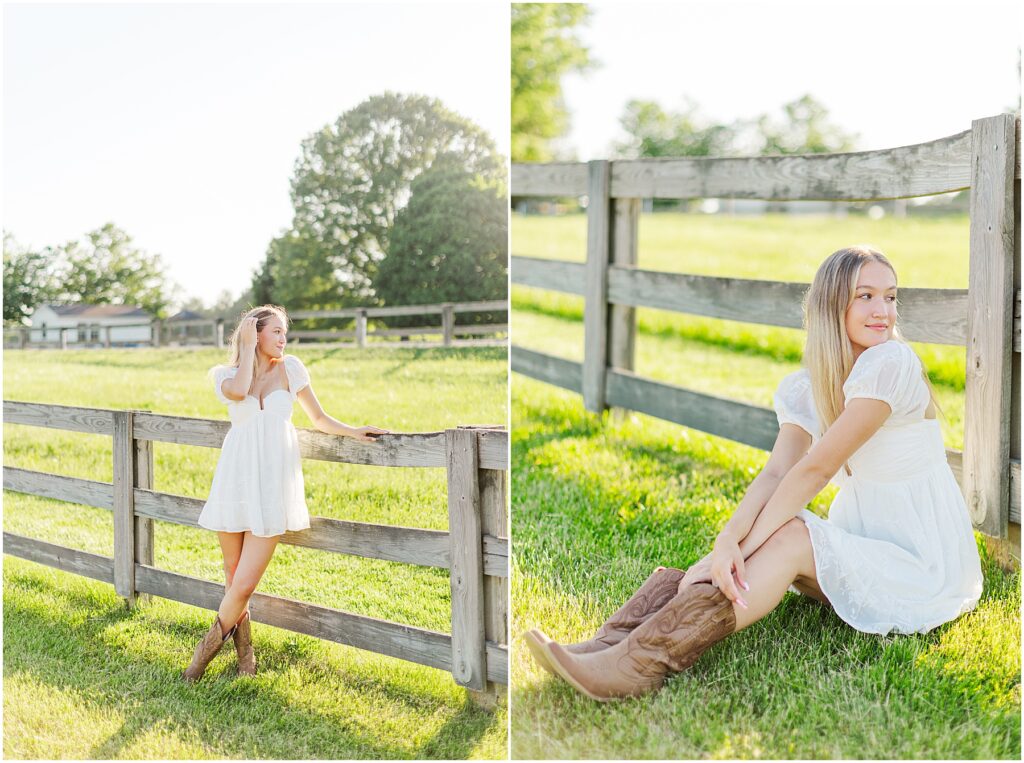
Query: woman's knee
x=244, y=586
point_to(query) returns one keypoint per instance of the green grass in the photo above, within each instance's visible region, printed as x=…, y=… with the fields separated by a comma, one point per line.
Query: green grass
x=598, y=502
x=72, y=653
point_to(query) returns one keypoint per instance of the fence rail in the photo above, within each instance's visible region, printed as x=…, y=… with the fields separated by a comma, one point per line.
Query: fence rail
x=166, y=332
x=984, y=318
x=475, y=548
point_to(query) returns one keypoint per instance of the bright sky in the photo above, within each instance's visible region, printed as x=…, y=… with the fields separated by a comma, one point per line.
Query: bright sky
x=897, y=72
x=182, y=123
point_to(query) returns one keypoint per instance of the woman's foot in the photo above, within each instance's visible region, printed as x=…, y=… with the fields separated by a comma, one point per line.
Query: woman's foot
x=243, y=646
x=206, y=650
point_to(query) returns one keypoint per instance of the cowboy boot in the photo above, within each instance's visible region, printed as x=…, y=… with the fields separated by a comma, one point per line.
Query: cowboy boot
x=668, y=642
x=656, y=591
x=243, y=647
x=206, y=649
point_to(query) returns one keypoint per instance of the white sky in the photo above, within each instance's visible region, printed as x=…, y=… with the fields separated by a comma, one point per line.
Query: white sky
x=181, y=123
x=897, y=72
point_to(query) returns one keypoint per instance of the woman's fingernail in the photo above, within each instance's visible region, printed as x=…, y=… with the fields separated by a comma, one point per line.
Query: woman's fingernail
x=743, y=603
x=745, y=586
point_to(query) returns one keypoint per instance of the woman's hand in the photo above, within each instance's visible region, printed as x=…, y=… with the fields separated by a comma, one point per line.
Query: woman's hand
x=247, y=335
x=698, y=572
x=368, y=434
x=728, y=571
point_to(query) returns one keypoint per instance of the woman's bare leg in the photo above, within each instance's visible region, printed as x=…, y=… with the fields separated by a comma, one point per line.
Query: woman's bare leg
x=252, y=563
x=786, y=557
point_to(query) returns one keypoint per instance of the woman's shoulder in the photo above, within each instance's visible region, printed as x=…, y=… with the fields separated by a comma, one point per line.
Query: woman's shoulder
x=799, y=381
x=892, y=350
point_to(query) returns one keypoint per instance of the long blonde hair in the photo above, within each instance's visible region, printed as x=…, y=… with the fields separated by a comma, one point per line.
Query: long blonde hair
x=828, y=354
x=263, y=313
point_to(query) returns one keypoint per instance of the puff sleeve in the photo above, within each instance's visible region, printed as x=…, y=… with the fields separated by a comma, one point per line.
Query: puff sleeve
x=794, y=403
x=220, y=374
x=891, y=372
x=298, y=376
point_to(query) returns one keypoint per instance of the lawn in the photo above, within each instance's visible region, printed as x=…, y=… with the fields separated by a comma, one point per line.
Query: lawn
x=72, y=653
x=598, y=502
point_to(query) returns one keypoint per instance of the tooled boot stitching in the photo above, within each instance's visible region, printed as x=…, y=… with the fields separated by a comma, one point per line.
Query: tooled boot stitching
x=673, y=651
x=206, y=650
x=243, y=646
x=641, y=606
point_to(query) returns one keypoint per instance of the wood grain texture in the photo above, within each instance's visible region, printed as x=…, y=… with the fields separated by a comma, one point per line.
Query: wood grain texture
x=144, y=476
x=493, y=486
x=989, y=325
x=59, y=487
x=124, y=505
x=622, y=318
x=568, y=277
x=567, y=374
x=939, y=166
x=67, y=417
x=70, y=560
x=595, y=307
x=549, y=179
x=465, y=529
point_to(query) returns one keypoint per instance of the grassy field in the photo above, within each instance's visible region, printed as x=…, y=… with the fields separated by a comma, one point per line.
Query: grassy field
x=72, y=653
x=598, y=502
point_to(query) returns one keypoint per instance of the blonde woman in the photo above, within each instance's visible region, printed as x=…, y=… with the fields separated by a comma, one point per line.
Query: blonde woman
x=258, y=493
x=897, y=552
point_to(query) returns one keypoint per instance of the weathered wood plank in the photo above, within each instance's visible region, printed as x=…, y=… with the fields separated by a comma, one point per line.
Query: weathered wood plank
x=567, y=374
x=124, y=507
x=469, y=662
x=59, y=487
x=143, y=477
x=595, y=308
x=989, y=324
x=493, y=486
x=68, y=417
x=936, y=316
x=939, y=166
x=549, y=179
x=556, y=275
x=1015, y=488
x=68, y=559
x=749, y=424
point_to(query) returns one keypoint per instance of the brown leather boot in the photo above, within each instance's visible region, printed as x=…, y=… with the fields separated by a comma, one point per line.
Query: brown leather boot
x=206, y=649
x=668, y=642
x=656, y=591
x=243, y=647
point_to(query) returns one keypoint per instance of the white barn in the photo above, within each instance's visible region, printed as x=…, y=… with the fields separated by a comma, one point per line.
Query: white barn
x=88, y=322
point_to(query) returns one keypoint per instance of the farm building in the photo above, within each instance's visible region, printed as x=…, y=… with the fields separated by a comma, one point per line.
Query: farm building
x=129, y=324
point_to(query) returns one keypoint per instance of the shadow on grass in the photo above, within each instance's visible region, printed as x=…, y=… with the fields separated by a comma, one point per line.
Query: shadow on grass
x=130, y=663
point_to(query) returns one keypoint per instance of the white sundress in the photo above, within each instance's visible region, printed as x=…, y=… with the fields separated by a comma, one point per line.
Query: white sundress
x=258, y=483
x=897, y=552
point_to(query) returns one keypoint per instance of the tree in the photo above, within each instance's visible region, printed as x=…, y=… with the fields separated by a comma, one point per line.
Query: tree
x=654, y=132
x=107, y=269
x=450, y=243
x=296, y=274
x=544, y=48
x=354, y=176
x=805, y=129
x=29, y=279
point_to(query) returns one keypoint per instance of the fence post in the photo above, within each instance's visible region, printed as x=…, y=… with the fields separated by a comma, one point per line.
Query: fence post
x=63, y=339
x=361, y=328
x=154, y=330
x=469, y=656
x=494, y=514
x=143, y=476
x=24, y=338
x=986, y=452
x=624, y=238
x=124, y=507
x=448, y=322
x=106, y=337
x=595, y=293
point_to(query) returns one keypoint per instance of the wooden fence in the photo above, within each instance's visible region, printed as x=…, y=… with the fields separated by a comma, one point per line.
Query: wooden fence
x=210, y=331
x=984, y=318
x=475, y=549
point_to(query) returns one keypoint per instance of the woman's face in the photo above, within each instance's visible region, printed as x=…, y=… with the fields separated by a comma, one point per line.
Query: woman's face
x=272, y=338
x=871, y=317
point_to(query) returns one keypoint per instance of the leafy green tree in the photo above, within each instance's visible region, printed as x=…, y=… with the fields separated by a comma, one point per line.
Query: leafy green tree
x=106, y=268
x=652, y=131
x=450, y=243
x=804, y=129
x=544, y=49
x=349, y=184
x=29, y=279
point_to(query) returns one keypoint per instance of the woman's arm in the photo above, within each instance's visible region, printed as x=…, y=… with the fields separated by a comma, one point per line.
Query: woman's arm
x=790, y=446
x=861, y=418
x=237, y=387
x=323, y=422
